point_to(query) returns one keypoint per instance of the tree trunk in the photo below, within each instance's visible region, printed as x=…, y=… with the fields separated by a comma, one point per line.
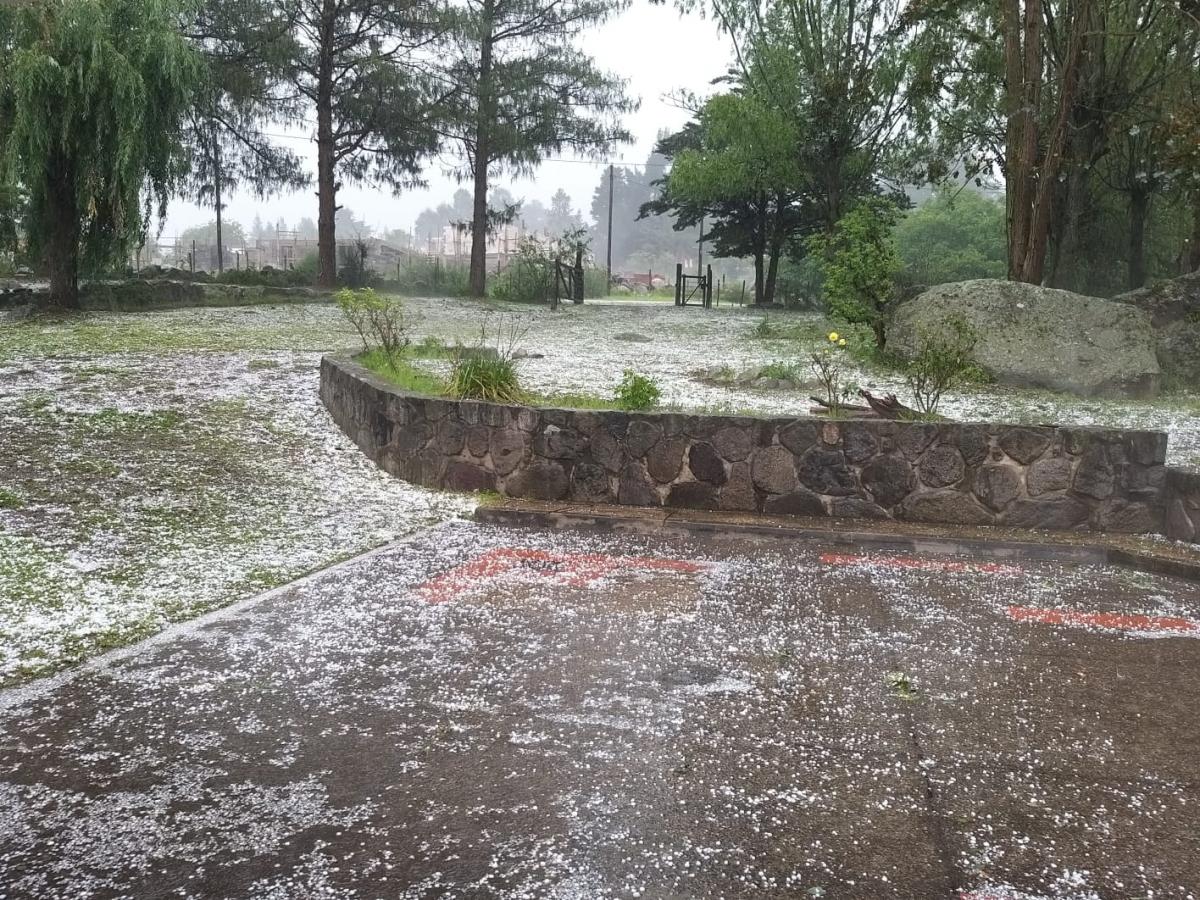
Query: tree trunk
x=577, y=276
x=217, y=195
x=483, y=150
x=62, y=245
x=1139, y=212
x=774, y=253
x=326, y=162
x=1022, y=96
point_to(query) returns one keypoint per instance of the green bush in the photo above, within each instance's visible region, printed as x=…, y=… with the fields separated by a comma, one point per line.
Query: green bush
x=943, y=359
x=268, y=276
x=636, y=392
x=781, y=370
x=307, y=268
x=430, y=276
x=859, y=262
x=530, y=277
x=379, y=321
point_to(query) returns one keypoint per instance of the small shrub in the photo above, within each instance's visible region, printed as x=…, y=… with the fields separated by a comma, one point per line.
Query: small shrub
x=943, y=359
x=429, y=347
x=780, y=370
x=432, y=277
x=764, y=330
x=485, y=378
x=352, y=268
x=826, y=365
x=489, y=371
x=636, y=392
x=379, y=321
x=306, y=270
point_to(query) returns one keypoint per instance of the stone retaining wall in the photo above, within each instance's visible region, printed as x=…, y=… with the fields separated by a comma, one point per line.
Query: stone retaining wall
x=1183, y=505
x=978, y=474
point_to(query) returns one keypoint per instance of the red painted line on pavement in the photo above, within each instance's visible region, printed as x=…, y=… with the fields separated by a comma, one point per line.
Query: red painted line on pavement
x=1110, y=621
x=914, y=562
x=573, y=569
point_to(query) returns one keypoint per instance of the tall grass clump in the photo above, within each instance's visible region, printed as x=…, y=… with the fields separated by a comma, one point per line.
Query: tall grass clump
x=488, y=371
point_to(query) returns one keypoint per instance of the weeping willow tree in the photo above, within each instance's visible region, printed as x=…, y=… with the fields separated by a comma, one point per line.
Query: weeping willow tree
x=94, y=95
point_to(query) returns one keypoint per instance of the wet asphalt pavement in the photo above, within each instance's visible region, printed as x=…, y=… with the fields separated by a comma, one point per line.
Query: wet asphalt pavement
x=502, y=713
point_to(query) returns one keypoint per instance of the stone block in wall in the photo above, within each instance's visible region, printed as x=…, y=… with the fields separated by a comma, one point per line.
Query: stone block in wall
x=946, y=506
x=915, y=438
x=635, y=488
x=1025, y=444
x=800, y=502
x=733, y=442
x=1147, y=448
x=888, y=479
x=774, y=470
x=664, y=461
x=641, y=436
x=1181, y=524
x=507, y=449
x=1052, y=513
x=1095, y=476
x=972, y=441
x=738, y=494
x=605, y=450
x=558, y=442
x=857, y=508
x=706, y=464
x=478, y=439
x=450, y=436
x=1050, y=475
x=692, y=495
x=540, y=479
x=590, y=483
x=467, y=477
x=798, y=436
x=859, y=443
x=998, y=484
x=943, y=466
x=1126, y=516
x=409, y=439
x=826, y=472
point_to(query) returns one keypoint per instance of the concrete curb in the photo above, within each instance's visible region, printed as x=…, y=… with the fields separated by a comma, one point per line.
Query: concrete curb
x=1093, y=551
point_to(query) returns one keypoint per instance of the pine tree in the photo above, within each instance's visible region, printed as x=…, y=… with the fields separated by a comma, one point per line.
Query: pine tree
x=526, y=90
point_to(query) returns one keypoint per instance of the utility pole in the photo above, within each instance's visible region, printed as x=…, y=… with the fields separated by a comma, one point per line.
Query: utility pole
x=700, y=252
x=610, y=217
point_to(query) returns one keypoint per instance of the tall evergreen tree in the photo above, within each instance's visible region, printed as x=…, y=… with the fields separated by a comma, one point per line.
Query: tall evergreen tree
x=362, y=67
x=95, y=95
x=526, y=90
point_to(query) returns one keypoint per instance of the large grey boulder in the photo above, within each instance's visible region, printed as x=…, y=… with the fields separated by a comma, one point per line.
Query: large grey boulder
x=1174, y=309
x=1031, y=336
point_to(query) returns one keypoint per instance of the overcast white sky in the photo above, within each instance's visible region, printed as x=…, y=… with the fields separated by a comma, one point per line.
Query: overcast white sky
x=653, y=47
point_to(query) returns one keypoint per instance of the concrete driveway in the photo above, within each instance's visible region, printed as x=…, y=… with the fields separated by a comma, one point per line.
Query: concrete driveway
x=501, y=713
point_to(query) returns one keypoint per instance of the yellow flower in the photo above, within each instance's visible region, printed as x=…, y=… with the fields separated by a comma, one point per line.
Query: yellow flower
x=833, y=337
x=842, y=342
